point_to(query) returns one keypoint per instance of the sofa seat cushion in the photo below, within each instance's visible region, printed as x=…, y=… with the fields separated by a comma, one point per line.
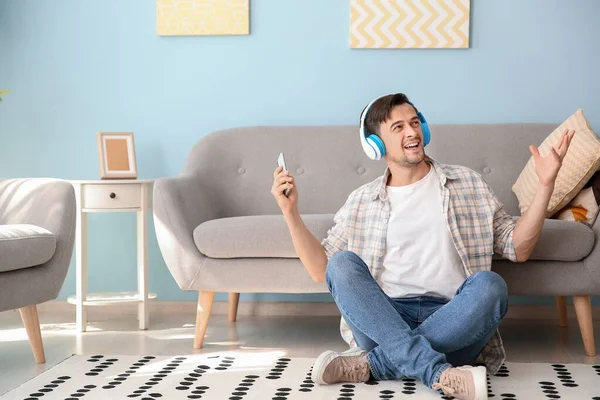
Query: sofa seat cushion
x=562, y=241
x=269, y=236
x=23, y=246
x=255, y=236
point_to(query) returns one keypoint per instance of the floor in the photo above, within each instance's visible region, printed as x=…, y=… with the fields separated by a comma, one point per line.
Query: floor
x=171, y=333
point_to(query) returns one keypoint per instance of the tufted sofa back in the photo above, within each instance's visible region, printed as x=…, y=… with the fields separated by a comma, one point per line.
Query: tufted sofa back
x=328, y=162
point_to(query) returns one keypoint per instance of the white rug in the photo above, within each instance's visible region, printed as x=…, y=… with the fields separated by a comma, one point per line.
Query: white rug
x=266, y=376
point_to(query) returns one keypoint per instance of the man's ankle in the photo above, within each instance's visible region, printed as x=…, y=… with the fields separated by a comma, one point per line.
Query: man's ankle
x=439, y=377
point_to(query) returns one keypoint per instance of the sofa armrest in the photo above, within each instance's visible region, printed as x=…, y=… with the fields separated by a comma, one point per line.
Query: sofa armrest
x=45, y=202
x=592, y=261
x=50, y=204
x=180, y=205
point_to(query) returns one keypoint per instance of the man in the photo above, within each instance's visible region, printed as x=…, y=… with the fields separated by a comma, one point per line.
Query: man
x=408, y=261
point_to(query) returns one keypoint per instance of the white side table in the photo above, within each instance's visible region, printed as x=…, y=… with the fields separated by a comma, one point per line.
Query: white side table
x=112, y=196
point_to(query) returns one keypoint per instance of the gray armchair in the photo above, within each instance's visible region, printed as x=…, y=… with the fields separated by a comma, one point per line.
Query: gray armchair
x=37, y=234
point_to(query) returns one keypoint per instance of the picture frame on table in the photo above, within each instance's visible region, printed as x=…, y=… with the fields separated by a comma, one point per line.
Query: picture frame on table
x=116, y=153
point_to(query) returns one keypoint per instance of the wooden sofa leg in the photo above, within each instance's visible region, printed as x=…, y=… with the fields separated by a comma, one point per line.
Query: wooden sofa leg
x=29, y=315
x=583, y=309
x=561, y=306
x=234, y=299
x=205, y=302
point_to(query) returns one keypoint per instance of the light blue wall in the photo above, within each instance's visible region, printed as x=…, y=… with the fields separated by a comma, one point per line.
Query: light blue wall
x=78, y=67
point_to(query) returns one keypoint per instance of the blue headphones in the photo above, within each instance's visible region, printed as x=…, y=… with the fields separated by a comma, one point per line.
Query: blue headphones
x=373, y=145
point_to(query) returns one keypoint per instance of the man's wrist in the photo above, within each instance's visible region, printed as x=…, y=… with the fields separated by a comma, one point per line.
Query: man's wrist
x=291, y=216
x=546, y=187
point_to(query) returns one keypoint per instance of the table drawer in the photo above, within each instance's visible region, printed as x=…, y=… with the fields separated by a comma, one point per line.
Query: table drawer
x=112, y=196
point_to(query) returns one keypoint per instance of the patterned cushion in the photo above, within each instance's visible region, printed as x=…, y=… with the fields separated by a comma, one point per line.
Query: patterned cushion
x=584, y=207
x=580, y=163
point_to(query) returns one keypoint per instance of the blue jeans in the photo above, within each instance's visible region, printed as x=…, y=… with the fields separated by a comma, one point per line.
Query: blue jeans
x=416, y=337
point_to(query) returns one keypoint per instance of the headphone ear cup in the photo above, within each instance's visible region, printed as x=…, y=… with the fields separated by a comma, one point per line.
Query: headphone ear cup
x=377, y=143
x=369, y=149
x=368, y=146
x=424, y=128
x=426, y=133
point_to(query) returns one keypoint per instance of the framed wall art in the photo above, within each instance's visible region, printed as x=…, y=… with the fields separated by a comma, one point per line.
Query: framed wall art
x=409, y=24
x=202, y=17
x=116, y=153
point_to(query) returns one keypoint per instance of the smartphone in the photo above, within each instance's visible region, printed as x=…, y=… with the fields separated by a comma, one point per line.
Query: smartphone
x=281, y=163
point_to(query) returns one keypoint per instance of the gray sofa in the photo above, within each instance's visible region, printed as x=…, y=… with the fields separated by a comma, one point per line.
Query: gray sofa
x=37, y=234
x=220, y=230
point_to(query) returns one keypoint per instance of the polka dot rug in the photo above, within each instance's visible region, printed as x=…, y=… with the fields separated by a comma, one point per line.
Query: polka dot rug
x=271, y=375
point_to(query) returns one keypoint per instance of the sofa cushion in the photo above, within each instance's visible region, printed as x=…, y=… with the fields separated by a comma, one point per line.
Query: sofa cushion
x=562, y=241
x=580, y=163
x=23, y=246
x=268, y=236
x=255, y=236
x=584, y=207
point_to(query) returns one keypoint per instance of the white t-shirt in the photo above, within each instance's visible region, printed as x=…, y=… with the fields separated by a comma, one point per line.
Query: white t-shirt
x=420, y=257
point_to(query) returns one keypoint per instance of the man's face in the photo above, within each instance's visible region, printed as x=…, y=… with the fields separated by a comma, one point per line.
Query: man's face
x=402, y=136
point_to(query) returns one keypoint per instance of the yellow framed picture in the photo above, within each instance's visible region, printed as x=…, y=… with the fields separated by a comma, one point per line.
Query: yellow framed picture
x=116, y=153
x=409, y=24
x=202, y=17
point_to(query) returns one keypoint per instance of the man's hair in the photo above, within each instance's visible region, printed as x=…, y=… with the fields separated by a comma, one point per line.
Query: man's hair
x=380, y=110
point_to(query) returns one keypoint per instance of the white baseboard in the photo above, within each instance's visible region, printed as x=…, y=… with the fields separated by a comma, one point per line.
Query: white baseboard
x=189, y=307
x=279, y=308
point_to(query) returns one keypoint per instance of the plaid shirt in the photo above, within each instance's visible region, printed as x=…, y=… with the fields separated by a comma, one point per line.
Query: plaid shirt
x=476, y=218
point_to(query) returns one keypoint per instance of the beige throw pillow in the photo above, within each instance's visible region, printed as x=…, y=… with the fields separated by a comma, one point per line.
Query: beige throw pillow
x=583, y=208
x=580, y=163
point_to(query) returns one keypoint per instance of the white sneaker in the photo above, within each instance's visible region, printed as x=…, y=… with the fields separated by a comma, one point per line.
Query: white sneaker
x=464, y=383
x=332, y=367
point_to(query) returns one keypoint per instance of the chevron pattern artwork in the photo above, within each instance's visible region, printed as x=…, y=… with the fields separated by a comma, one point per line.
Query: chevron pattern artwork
x=409, y=24
x=202, y=17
